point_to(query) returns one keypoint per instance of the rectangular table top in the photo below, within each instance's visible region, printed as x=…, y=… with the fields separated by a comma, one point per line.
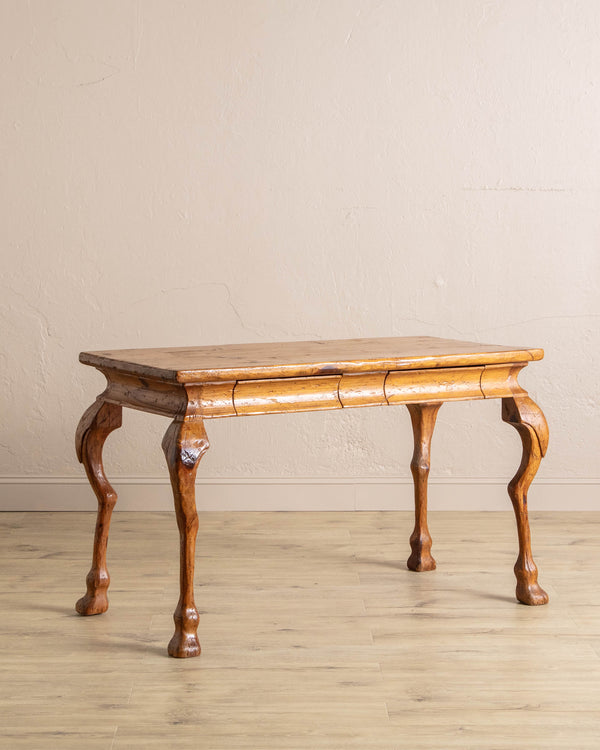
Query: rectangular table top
x=199, y=364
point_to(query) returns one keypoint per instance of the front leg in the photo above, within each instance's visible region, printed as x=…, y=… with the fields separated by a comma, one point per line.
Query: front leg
x=184, y=444
x=94, y=427
x=526, y=416
x=423, y=418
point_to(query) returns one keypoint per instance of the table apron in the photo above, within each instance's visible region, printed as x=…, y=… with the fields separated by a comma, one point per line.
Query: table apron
x=313, y=393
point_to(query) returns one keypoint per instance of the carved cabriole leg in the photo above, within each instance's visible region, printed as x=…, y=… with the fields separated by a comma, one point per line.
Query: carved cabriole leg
x=423, y=418
x=94, y=427
x=184, y=444
x=526, y=416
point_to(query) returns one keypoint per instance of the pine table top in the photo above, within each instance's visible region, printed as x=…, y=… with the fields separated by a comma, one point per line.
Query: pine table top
x=197, y=364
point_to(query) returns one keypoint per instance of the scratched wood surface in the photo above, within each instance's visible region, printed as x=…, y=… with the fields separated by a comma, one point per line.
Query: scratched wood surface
x=314, y=635
x=303, y=358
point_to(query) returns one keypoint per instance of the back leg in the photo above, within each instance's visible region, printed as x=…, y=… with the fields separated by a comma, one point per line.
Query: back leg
x=423, y=418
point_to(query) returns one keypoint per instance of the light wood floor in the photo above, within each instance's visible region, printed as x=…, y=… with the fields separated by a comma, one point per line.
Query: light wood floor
x=314, y=635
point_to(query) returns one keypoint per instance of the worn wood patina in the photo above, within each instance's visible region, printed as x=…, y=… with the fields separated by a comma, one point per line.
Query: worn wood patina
x=192, y=384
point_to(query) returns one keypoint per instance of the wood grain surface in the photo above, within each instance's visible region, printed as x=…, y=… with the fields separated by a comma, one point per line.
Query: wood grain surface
x=184, y=444
x=527, y=418
x=204, y=382
x=315, y=636
x=311, y=393
x=423, y=417
x=96, y=424
x=303, y=358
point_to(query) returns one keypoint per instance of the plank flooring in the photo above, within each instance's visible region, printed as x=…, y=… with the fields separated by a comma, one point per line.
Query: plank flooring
x=314, y=635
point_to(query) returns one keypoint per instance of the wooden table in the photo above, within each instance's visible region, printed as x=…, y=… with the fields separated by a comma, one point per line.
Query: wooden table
x=197, y=383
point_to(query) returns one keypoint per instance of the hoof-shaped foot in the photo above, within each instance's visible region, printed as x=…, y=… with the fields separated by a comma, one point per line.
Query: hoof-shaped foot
x=92, y=605
x=420, y=562
x=184, y=645
x=420, y=558
x=531, y=593
x=95, y=601
x=184, y=642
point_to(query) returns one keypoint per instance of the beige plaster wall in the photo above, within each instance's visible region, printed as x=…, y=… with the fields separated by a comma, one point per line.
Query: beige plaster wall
x=178, y=173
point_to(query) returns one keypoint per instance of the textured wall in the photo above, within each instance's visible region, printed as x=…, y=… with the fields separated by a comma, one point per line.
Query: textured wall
x=179, y=173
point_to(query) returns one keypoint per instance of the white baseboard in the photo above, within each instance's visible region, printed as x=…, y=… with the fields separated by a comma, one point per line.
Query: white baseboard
x=366, y=493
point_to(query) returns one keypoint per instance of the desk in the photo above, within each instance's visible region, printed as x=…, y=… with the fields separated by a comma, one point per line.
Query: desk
x=194, y=384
